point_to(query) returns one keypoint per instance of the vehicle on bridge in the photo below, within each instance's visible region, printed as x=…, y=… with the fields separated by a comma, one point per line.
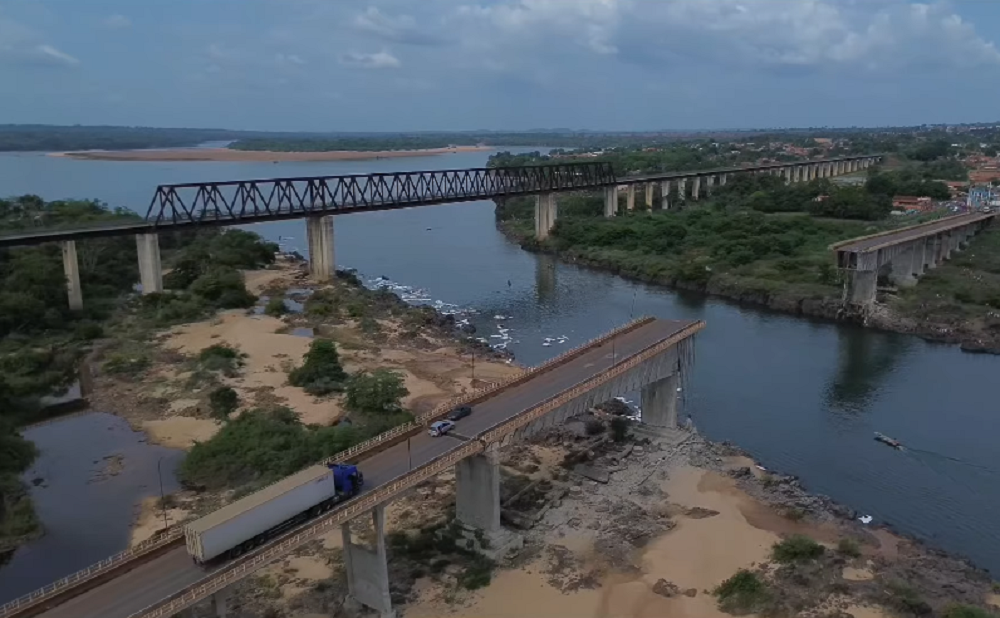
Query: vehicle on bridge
x=252, y=521
x=459, y=413
x=439, y=428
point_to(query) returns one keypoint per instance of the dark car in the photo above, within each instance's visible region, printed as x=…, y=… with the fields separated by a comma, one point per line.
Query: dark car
x=459, y=413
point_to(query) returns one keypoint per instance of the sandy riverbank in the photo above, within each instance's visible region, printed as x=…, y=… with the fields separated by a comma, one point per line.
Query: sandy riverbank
x=669, y=522
x=228, y=154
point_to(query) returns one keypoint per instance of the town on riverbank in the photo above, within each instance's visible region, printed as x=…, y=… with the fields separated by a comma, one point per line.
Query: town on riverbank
x=221, y=367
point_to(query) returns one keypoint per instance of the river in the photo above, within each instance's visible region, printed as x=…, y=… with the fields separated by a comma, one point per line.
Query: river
x=803, y=397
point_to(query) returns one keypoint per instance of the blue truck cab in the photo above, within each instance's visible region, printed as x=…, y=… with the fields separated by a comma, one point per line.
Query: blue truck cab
x=347, y=479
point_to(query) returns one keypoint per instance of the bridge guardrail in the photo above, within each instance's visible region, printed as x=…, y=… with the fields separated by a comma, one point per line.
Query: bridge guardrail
x=220, y=580
x=174, y=533
x=482, y=394
x=843, y=243
x=144, y=548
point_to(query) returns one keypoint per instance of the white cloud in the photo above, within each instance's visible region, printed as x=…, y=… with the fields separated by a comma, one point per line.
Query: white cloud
x=773, y=34
x=397, y=29
x=378, y=60
x=21, y=45
x=117, y=21
x=289, y=59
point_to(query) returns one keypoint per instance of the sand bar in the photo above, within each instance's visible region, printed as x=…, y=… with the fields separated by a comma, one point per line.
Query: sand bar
x=227, y=154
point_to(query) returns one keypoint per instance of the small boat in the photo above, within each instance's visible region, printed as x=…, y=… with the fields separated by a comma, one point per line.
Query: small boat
x=887, y=440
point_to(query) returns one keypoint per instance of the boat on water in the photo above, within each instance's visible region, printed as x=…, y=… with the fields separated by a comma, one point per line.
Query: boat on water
x=884, y=439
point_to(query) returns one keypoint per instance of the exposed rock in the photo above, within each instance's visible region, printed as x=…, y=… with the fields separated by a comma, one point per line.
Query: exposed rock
x=666, y=589
x=593, y=473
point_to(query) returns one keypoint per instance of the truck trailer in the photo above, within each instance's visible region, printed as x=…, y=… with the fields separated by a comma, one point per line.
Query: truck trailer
x=252, y=521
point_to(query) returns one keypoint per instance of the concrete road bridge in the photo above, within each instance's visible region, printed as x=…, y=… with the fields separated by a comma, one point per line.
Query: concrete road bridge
x=902, y=255
x=157, y=578
x=319, y=199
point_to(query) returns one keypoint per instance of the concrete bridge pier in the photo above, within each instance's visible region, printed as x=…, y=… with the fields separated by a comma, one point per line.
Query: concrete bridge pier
x=368, y=569
x=918, y=257
x=220, y=603
x=682, y=189
x=319, y=236
x=477, y=503
x=150, y=269
x=902, y=269
x=696, y=187
x=630, y=198
x=649, y=195
x=659, y=402
x=545, y=214
x=932, y=252
x=665, y=195
x=71, y=267
x=610, y=201
x=722, y=179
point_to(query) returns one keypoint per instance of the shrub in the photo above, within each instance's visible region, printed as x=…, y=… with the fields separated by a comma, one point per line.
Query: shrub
x=221, y=357
x=478, y=574
x=321, y=372
x=743, y=593
x=965, y=611
x=379, y=392
x=126, y=364
x=223, y=401
x=906, y=599
x=276, y=307
x=223, y=288
x=849, y=548
x=796, y=548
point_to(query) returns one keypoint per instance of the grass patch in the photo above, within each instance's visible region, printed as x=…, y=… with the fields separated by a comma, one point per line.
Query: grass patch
x=743, y=593
x=905, y=598
x=849, y=548
x=966, y=611
x=19, y=522
x=796, y=548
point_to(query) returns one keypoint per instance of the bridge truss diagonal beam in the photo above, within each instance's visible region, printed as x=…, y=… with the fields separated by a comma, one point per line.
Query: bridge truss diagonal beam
x=248, y=200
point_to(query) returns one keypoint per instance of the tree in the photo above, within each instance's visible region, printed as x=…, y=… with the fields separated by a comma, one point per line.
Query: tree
x=223, y=401
x=378, y=392
x=321, y=372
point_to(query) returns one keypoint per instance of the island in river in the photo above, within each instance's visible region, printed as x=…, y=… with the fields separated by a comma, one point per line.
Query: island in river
x=230, y=154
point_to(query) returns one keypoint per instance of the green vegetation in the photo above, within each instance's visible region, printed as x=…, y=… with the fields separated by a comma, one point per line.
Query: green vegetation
x=378, y=392
x=41, y=138
x=618, y=428
x=223, y=401
x=261, y=446
x=743, y=593
x=966, y=611
x=905, y=598
x=796, y=548
x=321, y=372
x=222, y=358
x=849, y=548
x=275, y=307
x=437, y=547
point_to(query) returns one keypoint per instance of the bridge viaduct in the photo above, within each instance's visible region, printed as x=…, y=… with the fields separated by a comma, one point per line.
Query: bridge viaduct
x=319, y=199
x=157, y=578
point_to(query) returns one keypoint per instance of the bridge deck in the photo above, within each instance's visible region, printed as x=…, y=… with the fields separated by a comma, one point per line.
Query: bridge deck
x=733, y=170
x=915, y=232
x=174, y=571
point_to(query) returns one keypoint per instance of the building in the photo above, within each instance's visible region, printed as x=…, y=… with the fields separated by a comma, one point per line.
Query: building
x=911, y=202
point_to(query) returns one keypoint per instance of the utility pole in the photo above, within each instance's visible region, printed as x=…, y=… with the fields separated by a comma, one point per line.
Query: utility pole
x=163, y=497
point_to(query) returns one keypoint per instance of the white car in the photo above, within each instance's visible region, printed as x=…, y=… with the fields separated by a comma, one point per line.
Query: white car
x=439, y=428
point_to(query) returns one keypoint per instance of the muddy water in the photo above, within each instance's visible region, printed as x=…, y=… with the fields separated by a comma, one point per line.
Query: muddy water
x=92, y=472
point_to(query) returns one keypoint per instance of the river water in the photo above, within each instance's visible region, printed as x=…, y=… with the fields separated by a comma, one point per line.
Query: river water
x=803, y=397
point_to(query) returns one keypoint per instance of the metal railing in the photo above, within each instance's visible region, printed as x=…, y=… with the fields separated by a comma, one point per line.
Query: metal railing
x=251, y=563
x=175, y=533
x=170, y=536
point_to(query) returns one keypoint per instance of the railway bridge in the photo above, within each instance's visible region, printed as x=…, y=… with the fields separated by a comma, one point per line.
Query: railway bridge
x=157, y=578
x=319, y=199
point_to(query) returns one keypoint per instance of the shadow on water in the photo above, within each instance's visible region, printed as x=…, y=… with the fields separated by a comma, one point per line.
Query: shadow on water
x=92, y=472
x=865, y=361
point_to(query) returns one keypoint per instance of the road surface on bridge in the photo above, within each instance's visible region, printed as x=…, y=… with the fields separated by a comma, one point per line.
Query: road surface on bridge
x=173, y=571
x=878, y=241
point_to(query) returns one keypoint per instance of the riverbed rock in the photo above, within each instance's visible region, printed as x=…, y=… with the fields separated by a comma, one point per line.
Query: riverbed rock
x=666, y=589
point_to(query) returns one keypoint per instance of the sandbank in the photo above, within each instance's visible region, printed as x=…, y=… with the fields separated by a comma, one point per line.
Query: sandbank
x=228, y=154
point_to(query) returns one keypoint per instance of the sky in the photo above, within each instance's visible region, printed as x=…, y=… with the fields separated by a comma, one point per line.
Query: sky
x=416, y=65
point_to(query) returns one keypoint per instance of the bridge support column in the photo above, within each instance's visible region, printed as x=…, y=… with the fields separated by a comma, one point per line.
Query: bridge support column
x=368, y=569
x=477, y=504
x=902, y=269
x=861, y=287
x=71, y=267
x=682, y=189
x=649, y=196
x=150, y=269
x=220, y=602
x=659, y=402
x=630, y=198
x=918, y=258
x=932, y=252
x=722, y=179
x=610, y=201
x=665, y=195
x=319, y=236
x=696, y=187
x=545, y=214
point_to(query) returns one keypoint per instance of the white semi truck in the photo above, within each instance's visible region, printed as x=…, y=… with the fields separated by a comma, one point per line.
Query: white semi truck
x=252, y=521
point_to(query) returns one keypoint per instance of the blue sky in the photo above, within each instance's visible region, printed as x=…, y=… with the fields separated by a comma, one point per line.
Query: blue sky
x=392, y=65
